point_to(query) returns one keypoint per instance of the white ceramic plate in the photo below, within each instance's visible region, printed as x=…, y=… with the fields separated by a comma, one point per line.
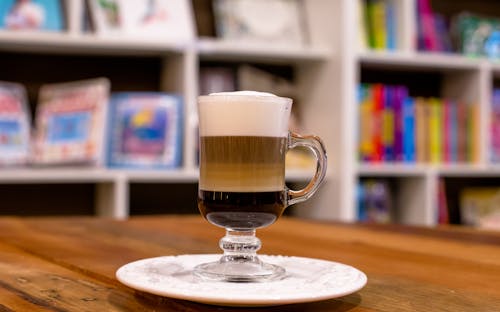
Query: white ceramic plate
x=307, y=280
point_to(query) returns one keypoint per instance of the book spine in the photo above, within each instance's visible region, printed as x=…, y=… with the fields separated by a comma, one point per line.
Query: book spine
x=377, y=12
x=435, y=130
x=400, y=94
x=461, y=132
x=453, y=131
x=362, y=200
x=363, y=34
x=472, y=134
x=366, y=119
x=391, y=25
x=388, y=124
x=378, y=102
x=422, y=130
x=446, y=152
x=409, y=130
x=443, y=214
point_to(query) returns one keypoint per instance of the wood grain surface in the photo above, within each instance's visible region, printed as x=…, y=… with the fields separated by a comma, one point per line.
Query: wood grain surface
x=69, y=263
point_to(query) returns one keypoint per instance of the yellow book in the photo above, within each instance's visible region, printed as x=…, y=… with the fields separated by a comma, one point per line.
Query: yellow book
x=366, y=111
x=435, y=128
x=377, y=23
x=421, y=130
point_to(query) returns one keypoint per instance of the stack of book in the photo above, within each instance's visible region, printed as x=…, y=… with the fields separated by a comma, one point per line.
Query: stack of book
x=395, y=127
x=377, y=24
x=374, y=201
x=432, y=30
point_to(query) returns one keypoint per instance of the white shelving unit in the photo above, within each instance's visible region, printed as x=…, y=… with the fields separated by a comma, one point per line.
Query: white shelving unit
x=463, y=78
x=327, y=72
x=315, y=67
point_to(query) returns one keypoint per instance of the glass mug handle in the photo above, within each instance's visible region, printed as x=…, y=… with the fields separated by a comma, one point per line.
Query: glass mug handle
x=317, y=147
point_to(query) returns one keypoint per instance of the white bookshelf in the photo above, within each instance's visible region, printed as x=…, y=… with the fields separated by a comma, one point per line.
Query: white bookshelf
x=469, y=79
x=315, y=67
x=326, y=71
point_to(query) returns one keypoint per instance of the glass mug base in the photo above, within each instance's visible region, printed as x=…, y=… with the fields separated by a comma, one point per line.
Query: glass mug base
x=240, y=262
x=241, y=270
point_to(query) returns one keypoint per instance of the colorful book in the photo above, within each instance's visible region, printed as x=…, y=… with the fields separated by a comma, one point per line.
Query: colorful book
x=453, y=131
x=366, y=111
x=34, y=15
x=394, y=127
x=375, y=204
x=473, y=133
x=70, y=122
x=461, y=132
x=388, y=124
x=15, y=125
x=378, y=106
x=145, y=130
x=421, y=130
x=363, y=35
x=409, y=130
x=443, y=216
x=377, y=23
x=445, y=131
x=435, y=128
x=400, y=96
x=391, y=24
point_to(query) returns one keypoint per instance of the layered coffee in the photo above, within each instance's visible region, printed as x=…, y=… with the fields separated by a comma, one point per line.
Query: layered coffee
x=242, y=159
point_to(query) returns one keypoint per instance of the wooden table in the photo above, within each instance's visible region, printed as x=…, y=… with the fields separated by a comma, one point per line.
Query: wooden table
x=69, y=264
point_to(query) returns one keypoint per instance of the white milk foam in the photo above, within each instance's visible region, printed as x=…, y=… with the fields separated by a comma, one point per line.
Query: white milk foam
x=244, y=113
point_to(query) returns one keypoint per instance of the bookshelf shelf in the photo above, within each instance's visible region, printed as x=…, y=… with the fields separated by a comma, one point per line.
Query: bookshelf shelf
x=216, y=49
x=67, y=43
x=53, y=175
x=96, y=175
x=393, y=170
x=419, y=60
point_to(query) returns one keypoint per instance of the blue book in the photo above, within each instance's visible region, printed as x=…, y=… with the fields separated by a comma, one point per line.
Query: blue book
x=361, y=199
x=15, y=124
x=409, y=130
x=145, y=130
x=46, y=15
x=390, y=25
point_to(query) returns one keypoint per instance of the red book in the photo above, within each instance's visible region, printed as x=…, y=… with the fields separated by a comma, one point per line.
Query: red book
x=378, y=107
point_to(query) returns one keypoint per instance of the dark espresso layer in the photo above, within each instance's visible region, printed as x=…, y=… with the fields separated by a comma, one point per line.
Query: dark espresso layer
x=241, y=210
x=242, y=163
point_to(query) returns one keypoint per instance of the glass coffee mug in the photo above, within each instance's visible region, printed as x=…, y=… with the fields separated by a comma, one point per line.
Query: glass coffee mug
x=243, y=141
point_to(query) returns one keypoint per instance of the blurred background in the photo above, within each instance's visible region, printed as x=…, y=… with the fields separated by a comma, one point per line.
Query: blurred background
x=98, y=103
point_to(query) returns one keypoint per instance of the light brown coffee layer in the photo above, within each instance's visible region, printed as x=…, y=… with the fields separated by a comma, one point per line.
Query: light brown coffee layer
x=242, y=163
x=242, y=177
